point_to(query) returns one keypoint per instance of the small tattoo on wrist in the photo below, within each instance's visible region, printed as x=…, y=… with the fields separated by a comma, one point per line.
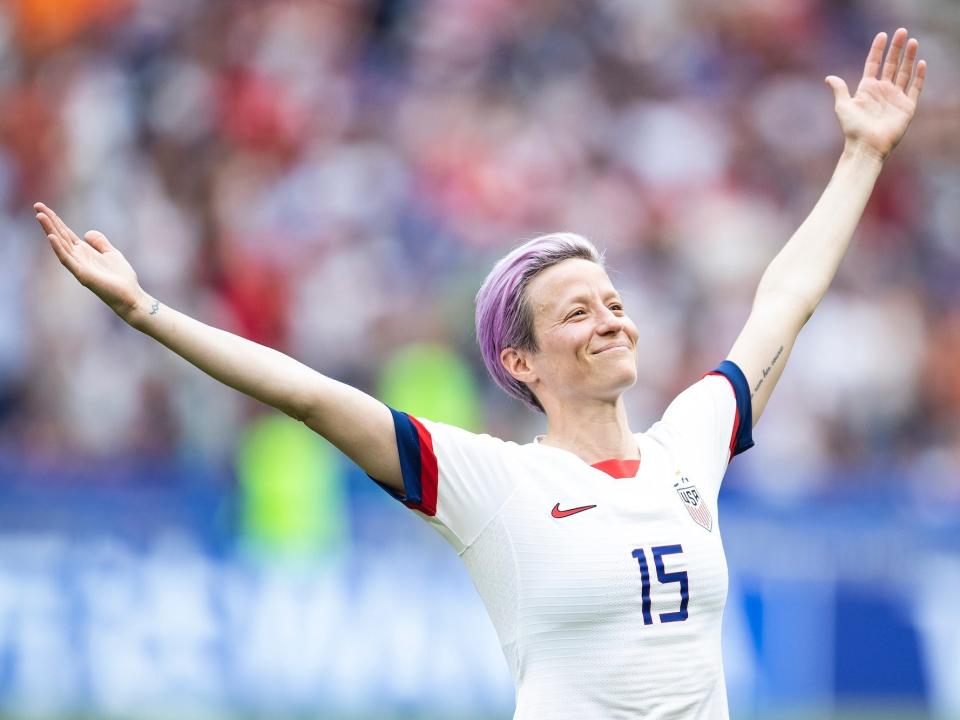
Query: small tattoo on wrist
x=154, y=308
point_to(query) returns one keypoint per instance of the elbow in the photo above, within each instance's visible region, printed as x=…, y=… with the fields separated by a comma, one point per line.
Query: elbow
x=297, y=408
x=798, y=306
x=802, y=316
x=783, y=310
x=297, y=412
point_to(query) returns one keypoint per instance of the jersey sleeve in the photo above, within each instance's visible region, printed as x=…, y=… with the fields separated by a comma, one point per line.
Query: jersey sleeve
x=455, y=479
x=708, y=424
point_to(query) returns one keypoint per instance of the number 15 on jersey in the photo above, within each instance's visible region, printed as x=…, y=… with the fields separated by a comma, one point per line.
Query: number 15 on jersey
x=665, y=578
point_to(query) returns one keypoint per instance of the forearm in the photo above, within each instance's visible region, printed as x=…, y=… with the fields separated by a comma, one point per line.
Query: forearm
x=253, y=369
x=803, y=270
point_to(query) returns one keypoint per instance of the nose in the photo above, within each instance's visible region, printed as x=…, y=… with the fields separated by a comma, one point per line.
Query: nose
x=609, y=323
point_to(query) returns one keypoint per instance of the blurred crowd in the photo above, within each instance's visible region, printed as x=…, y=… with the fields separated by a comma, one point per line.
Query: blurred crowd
x=334, y=178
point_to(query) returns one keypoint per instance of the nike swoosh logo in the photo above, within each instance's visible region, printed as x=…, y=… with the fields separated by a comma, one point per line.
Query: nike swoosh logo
x=558, y=513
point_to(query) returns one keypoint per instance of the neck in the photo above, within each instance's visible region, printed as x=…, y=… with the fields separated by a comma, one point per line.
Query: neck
x=593, y=431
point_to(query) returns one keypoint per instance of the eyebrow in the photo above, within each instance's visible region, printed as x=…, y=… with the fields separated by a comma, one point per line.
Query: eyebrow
x=565, y=303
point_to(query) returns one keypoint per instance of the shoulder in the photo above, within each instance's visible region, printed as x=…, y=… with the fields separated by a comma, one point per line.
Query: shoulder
x=430, y=430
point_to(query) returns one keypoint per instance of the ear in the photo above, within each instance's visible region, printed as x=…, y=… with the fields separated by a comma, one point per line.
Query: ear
x=516, y=362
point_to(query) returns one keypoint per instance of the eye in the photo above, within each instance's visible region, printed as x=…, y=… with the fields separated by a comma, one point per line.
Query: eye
x=616, y=307
x=576, y=313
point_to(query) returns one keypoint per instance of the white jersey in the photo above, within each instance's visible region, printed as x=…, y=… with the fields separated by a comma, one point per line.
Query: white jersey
x=606, y=584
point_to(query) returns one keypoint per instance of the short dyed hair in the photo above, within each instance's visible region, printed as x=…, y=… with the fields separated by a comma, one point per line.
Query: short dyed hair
x=504, y=316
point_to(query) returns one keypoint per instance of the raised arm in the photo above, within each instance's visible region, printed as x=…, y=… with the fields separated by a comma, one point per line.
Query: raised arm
x=359, y=425
x=873, y=121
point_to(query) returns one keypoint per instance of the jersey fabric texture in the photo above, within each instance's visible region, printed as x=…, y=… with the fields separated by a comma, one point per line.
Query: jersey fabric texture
x=606, y=584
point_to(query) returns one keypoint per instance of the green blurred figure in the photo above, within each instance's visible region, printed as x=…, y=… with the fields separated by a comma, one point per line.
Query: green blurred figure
x=293, y=497
x=431, y=381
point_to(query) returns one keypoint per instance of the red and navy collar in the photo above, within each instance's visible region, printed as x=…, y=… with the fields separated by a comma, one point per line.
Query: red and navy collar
x=618, y=468
x=615, y=467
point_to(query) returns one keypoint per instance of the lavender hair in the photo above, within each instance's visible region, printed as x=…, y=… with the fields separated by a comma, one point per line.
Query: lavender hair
x=504, y=317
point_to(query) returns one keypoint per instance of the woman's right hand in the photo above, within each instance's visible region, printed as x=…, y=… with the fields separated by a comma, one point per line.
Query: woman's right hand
x=96, y=263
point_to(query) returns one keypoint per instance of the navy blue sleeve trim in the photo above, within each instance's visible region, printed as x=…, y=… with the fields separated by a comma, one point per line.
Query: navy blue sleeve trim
x=743, y=440
x=408, y=444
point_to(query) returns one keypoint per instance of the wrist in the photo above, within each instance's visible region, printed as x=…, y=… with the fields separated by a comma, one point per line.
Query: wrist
x=142, y=307
x=860, y=152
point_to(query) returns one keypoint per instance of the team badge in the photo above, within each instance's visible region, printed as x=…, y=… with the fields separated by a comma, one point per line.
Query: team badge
x=694, y=503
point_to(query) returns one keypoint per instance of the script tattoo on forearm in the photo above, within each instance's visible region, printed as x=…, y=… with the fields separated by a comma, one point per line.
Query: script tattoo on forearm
x=155, y=308
x=767, y=371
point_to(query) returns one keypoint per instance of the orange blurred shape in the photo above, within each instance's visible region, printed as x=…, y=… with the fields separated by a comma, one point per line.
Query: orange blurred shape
x=43, y=23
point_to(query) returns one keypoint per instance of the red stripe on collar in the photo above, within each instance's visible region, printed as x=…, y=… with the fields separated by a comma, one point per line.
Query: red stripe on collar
x=618, y=468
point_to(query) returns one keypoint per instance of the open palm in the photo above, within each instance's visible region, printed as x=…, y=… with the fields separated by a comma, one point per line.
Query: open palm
x=95, y=263
x=878, y=114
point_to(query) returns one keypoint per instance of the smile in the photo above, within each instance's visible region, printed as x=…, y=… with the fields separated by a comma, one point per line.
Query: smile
x=611, y=349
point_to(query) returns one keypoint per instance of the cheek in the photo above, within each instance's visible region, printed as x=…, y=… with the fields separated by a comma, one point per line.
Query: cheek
x=577, y=339
x=562, y=348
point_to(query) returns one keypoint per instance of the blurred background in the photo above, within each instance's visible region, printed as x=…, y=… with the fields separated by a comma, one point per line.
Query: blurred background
x=334, y=179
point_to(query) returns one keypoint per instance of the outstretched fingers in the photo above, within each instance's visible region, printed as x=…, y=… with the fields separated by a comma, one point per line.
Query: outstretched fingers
x=893, y=55
x=875, y=56
x=906, y=67
x=64, y=252
x=45, y=223
x=58, y=226
x=917, y=85
x=901, y=66
x=63, y=246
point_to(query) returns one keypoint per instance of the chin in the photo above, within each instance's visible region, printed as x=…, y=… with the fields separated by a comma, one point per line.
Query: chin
x=628, y=382
x=619, y=382
x=626, y=371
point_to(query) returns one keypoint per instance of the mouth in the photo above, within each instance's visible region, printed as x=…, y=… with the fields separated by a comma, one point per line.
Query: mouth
x=613, y=348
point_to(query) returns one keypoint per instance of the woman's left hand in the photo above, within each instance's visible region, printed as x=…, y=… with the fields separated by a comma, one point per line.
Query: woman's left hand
x=877, y=116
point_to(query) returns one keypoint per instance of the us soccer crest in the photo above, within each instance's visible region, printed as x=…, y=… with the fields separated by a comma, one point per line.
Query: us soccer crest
x=694, y=504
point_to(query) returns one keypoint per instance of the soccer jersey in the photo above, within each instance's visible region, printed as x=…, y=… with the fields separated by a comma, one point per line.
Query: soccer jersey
x=606, y=584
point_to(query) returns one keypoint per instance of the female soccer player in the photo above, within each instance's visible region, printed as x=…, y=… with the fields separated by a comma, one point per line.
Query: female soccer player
x=596, y=550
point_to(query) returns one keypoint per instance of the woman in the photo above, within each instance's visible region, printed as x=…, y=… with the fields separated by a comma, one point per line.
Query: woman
x=596, y=550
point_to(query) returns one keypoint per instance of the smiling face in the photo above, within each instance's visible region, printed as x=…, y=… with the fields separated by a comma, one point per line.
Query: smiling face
x=587, y=346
